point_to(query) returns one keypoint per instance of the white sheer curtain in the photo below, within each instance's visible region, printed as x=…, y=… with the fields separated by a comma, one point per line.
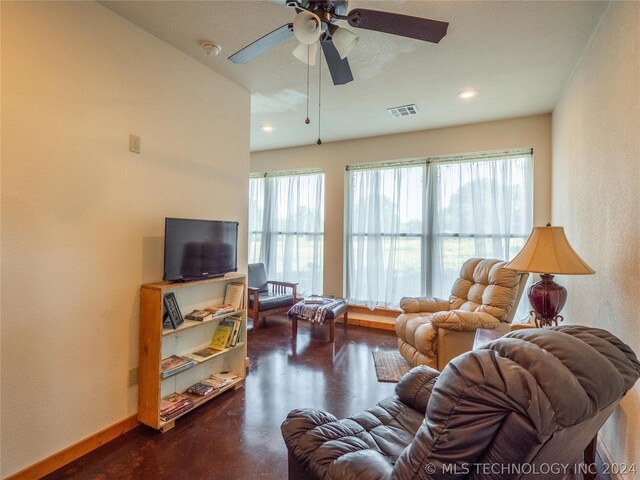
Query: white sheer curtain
x=385, y=232
x=410, y=227
x=256, y=216
x=480, y=209
x=286, y=225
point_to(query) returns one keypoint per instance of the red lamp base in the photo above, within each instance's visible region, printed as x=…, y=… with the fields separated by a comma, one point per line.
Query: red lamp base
x=547, y=299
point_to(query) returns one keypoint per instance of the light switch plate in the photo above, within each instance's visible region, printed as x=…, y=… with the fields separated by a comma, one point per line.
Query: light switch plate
x=134, y=143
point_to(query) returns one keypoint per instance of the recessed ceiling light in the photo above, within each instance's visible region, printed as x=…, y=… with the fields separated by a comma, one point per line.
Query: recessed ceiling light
x=266, y=128
x=467, y=93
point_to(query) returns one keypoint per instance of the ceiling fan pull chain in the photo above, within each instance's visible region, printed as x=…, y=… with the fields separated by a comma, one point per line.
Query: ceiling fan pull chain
x=319, y=142
x=307, y=121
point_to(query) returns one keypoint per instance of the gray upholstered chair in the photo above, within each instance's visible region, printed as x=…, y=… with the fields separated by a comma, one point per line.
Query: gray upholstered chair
x=267, y=297
x=532, y=399
x=432, y=331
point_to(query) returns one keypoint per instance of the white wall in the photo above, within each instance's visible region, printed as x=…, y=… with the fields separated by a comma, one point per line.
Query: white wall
x=83, y=218
x=596, y=196
x=534, y=132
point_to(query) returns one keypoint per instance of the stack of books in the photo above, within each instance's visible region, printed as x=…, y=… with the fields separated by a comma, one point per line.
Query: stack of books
x=219, y=310
x=227, y=333
x=173, y=405
x=220, y=379
x=203, y=354
x=200, y=389
x=174, y=364
x=199, y=315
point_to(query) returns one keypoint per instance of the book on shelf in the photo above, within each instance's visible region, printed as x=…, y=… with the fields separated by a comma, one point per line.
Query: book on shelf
x=174, y=364
x=221, y=335
x=225, y=375
x=200, y=389
x=214, y=383
x=234, y=295
x=173, y=405
x=199, y=315
x=234, y=323
x=220, y=379
x=236, y=331
x=203, y=354
x=218, y=310
x=239, y=334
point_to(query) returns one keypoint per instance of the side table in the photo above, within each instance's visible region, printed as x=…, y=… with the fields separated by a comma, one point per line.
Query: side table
x=484, y=335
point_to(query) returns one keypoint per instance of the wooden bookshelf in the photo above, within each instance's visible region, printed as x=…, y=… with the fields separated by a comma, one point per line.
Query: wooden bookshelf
x=158, y=342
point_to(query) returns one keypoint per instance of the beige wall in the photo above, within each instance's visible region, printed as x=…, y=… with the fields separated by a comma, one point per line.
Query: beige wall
x=596, y=196
x=83, y=218
x=534, y=132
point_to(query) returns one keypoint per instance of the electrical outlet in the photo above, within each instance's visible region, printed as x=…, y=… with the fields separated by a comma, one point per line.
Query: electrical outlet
x=133, y=376
x=134, y=143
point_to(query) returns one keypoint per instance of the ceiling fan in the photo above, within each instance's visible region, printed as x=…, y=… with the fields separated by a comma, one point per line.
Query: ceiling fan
x=315, y=23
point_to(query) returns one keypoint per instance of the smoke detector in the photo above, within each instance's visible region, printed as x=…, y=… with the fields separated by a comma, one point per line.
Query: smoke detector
x=211, y=48
x=403, y=111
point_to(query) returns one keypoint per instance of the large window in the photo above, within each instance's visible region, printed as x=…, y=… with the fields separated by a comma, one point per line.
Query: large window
x=286, y=227
x=411, y=226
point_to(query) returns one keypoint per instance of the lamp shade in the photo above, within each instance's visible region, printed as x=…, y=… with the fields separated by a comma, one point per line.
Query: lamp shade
x=306, y=53
x=344, y=41
x=548, y=251
x=307, y=27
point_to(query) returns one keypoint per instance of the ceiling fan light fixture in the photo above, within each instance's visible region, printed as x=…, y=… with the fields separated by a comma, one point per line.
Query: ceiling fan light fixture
x=344, y=40
x=306, y=53
x=307, y=27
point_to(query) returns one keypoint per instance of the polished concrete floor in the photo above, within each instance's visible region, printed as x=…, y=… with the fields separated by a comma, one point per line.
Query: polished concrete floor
x=237, y=435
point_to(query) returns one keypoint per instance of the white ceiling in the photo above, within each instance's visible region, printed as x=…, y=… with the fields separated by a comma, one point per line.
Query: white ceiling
x=517, y=54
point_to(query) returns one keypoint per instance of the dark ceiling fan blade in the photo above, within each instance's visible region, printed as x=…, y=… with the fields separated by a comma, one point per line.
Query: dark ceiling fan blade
x=263, y=44
x=338, y=67
x=404, y=25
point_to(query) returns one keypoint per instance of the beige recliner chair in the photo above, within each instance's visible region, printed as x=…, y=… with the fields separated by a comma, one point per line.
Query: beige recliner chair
x=432, y=331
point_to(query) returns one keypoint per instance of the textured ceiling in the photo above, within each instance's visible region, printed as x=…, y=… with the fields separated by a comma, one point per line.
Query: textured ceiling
x=518, y=55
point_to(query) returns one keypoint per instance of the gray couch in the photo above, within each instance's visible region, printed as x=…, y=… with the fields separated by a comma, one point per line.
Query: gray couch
x=532, y=399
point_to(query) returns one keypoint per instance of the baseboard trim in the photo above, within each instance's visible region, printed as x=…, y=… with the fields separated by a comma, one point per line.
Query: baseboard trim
x=379, y=311
x=371, y=324
x=77, y=450
x=606, y=457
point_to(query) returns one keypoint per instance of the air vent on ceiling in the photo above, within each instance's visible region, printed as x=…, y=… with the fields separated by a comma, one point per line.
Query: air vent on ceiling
x=403, y=111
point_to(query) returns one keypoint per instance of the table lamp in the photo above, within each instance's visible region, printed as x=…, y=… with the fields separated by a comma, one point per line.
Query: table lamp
x=547, y=251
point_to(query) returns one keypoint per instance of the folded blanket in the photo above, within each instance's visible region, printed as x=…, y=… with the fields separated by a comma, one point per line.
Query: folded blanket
x=316, y=312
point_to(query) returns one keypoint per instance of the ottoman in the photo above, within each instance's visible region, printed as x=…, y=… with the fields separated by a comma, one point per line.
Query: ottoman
x=325, y=310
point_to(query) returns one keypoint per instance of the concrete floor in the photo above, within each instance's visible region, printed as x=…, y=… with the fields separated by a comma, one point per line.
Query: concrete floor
x=237, y=435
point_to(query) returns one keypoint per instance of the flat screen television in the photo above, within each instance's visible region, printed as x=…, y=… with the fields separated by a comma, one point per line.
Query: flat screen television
x=197, y=249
